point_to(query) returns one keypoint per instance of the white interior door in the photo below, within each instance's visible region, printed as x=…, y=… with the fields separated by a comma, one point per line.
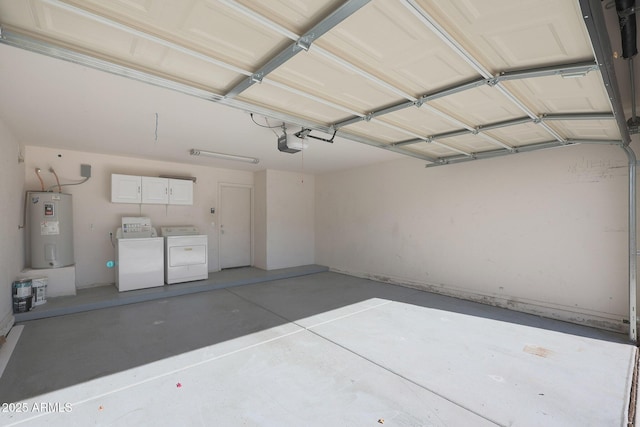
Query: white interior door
x=235, y=226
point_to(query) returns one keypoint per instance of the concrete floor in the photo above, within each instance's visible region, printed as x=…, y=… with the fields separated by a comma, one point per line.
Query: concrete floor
x=323, y=349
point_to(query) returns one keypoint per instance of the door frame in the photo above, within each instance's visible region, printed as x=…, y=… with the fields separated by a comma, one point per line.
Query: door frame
x=221, y=185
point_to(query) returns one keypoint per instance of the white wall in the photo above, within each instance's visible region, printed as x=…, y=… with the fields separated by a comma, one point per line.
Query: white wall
x=543, y=232
x=95, y=216
x=285, y=219
x=260, y=219
x=11, y=249
x=290, y=219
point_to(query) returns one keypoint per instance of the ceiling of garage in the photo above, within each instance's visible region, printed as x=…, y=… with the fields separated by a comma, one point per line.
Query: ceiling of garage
x=442, y=81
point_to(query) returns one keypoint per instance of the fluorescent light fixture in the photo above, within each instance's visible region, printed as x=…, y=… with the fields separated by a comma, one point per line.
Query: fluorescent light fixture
x=196, y=152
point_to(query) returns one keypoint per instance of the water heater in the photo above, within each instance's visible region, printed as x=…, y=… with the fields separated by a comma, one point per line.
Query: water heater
x=50, y=224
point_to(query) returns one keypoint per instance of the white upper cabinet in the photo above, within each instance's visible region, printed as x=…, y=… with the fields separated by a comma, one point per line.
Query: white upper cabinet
x=151, y=190
x=126, y=189
x=180, y=192
x=155, y=190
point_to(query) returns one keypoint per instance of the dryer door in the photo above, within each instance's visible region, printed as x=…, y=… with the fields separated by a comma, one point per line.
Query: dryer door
x=187, y=255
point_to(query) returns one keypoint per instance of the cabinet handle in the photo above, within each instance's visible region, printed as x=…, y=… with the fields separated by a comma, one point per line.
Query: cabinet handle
x=138, y=189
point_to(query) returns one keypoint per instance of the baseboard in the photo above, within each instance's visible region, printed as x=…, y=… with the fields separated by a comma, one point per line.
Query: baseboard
x=598, y=320
x=6, y=324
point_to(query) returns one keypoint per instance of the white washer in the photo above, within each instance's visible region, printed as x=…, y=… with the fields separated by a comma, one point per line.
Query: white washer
x=185, y=254
x=139, y=261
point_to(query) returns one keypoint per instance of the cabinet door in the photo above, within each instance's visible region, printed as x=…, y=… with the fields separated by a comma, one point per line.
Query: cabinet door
x=180, y=192
x=155, y=190
x=125, y=189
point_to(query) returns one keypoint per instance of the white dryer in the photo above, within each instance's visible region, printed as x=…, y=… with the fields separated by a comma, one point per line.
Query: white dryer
x=185, y=254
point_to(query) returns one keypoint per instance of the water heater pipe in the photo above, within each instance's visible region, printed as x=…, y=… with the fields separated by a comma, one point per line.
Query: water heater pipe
x=57, y=180
x=40, y=178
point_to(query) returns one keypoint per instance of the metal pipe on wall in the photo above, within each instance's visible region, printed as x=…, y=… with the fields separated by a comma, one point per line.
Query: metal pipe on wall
x=633, y=260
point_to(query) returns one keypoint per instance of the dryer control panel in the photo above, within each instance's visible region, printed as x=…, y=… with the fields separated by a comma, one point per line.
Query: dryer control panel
x=180, y=230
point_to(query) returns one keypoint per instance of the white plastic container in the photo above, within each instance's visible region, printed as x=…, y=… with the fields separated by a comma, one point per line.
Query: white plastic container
x=39, y=290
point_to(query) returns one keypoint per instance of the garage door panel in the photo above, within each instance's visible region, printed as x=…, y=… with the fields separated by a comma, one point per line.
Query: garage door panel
x=385, y=39
x=419, y=120
x=505, y=34
x=328, y=80
x=519, y=135
x=563, y=95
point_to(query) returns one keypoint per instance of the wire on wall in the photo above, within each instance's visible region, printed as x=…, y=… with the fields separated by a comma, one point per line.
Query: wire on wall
x=66, y=185
x=85, y=172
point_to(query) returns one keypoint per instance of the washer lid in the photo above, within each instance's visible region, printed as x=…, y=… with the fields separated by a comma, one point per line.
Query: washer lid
x=179, y=230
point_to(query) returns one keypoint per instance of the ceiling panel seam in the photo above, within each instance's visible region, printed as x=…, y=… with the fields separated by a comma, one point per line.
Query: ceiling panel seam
x=508, y=123
x=522, y=149
x=263, y=20
x=410, y=133
x=312, y=97
x=571, y=68
x=443, y=35
x=302, y=44
x=498, y=153
x=133, y=31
